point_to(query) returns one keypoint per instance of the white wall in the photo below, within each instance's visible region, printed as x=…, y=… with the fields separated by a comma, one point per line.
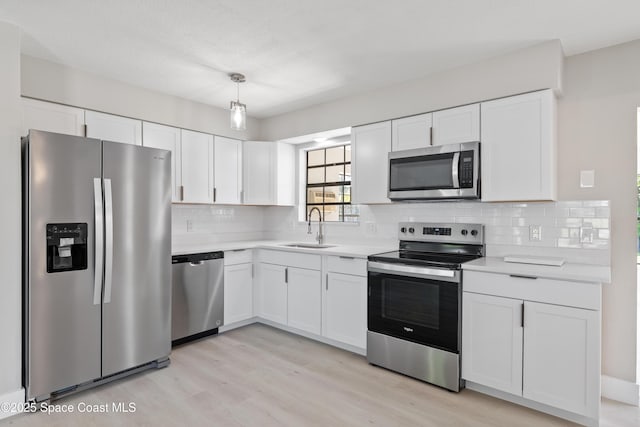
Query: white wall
x=10, y=213
x=49, y=81
x=597, y=123
x=537, y=67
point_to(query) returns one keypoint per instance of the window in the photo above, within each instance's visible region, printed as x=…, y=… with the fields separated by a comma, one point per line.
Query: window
x=329, y=183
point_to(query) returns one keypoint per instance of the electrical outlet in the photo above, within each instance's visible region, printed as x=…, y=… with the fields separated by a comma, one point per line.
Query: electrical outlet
x=535, y=233
x=586, y=234
x=189, y=225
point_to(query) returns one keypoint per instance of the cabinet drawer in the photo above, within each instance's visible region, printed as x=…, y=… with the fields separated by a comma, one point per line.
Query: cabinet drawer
x=290, y=259
x=238, y=256
x=347, y=265
x=561, y=292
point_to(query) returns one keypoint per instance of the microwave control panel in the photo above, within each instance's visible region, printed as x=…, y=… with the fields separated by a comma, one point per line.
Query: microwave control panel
x=465, y=169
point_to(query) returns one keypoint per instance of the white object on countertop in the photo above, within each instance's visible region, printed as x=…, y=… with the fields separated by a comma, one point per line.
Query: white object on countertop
x=525, y=259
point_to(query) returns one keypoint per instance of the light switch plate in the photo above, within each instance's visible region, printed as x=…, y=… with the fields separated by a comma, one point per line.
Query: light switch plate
x=189, y=225
x=587, y=179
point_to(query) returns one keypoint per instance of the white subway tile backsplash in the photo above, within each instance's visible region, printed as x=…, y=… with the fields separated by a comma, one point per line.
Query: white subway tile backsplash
x=506, y=225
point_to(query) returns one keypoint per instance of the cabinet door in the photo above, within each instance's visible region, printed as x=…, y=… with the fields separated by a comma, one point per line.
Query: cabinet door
x=166, y=138
x=304, y=305
x=411, y=132
x=51, y=117
x=370, y=165
x=456, y=125
x=113, y=128
x=197, y=166
x=285, y=182
x=238, y=293
x=259, y=168
x=518, y=148
x=562, y=357
x=227, y=170
x=272, y=293
x=492, y=341
x=346, y=309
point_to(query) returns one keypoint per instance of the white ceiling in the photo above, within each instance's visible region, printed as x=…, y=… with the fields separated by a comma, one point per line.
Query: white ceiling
x=297, y=53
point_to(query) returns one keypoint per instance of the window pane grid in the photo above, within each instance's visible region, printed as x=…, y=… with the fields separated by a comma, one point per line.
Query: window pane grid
x=329, y=183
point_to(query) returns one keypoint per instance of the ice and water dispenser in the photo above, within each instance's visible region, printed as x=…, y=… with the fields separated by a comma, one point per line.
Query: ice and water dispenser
x=66, y=247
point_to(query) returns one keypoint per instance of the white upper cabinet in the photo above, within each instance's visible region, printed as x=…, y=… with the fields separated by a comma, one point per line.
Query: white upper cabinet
x=285, y=181
x=370, y=146
x=456, y=125
x=109, y=127
x=518, y=143
x=51, y=117
x=269, y=173
x=197, y=167
x=166, y=138
x=259, y=182
x=411, y=132
x=227, y=171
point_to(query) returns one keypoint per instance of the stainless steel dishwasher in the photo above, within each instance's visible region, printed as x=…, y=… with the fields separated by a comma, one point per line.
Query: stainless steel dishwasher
x=198, y=296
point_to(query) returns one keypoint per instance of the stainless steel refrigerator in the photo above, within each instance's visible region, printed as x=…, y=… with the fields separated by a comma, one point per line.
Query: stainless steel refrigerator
x=97, y=261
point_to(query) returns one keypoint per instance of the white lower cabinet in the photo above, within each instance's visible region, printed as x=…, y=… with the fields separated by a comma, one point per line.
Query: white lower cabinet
x=272, y=293
x=544, y=352
x=346, y=309
x=561, y=357
x=304, y=302
x=238, y=292
x=492, y=341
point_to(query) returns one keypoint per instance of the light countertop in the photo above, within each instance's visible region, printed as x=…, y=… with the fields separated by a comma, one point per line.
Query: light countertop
x=357, y=251
x=569, y=271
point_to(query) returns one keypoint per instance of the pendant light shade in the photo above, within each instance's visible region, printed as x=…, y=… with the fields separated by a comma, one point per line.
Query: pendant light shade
x=238, y=118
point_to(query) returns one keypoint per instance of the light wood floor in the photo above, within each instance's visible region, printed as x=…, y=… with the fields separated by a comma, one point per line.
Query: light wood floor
x=260, y=376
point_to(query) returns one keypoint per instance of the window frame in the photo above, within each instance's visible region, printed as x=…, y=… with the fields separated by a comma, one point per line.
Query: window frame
x=325, y=184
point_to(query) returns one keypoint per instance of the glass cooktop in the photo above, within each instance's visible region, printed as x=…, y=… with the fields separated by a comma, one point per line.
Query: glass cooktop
x=449, y=261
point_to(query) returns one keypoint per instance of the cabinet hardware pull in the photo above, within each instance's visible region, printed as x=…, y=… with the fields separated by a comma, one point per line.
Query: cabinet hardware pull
x=520, y=276
x=286, y=275
x=242, y=196
x=238, y=250
x=326, y=284
x=84, y=129
x=522, y=315
x=431, y=135
x=252, y=265
x=182, y=193
x=214, y=194
x=346, y=257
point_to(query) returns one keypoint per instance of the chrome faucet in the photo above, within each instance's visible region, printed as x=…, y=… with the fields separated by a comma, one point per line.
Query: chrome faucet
x=319, y=237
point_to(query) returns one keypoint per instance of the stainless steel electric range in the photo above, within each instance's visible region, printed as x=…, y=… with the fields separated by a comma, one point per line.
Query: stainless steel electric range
x=414, y=301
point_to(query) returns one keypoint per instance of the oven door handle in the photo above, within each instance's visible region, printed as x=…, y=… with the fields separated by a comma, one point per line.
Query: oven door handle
x=417, y=272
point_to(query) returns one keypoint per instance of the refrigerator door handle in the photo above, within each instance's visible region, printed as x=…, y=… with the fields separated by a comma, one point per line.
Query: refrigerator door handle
x=99, y=240
x=108, y=226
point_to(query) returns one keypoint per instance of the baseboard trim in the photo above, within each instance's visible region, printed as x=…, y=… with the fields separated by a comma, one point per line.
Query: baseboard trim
x=620, y=390
x=15, y=399
x=556, y=412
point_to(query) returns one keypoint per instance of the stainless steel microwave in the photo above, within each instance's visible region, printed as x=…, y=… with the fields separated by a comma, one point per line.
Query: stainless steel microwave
x=450, y=171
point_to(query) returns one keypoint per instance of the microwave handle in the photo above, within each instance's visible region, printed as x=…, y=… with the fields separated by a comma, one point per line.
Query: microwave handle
x=454, y=169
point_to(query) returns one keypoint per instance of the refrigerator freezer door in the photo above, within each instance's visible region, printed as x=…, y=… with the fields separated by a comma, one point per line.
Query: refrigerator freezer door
x=62, y=323
x=136, y=317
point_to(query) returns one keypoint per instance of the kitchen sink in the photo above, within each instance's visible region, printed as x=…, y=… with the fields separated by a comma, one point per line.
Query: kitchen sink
x=308, y=245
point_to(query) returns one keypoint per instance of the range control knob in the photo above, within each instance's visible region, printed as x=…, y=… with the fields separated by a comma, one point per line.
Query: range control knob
x=403, y=230
x=411, y=230
x=474, y=232
x=464, y=232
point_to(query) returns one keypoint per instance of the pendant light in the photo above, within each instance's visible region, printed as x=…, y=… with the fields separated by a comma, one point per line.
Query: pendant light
x=238, y=110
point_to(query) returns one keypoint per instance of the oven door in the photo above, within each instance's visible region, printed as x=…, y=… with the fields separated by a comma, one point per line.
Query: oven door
x=415, y=303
